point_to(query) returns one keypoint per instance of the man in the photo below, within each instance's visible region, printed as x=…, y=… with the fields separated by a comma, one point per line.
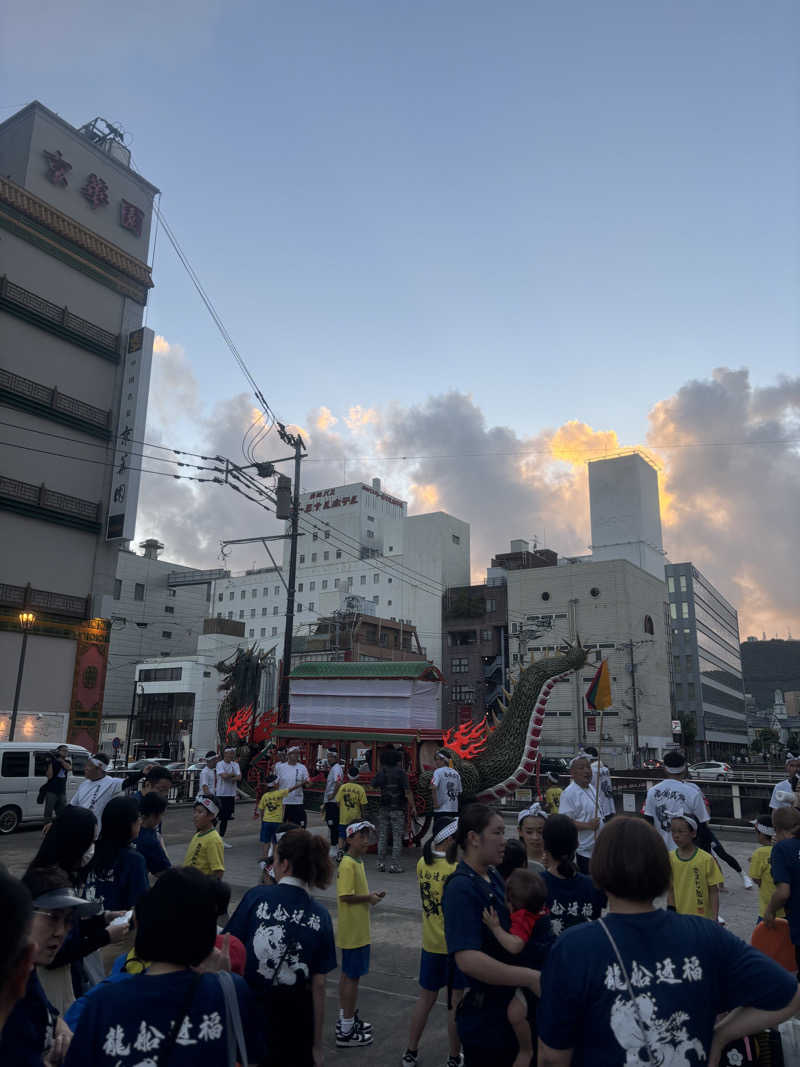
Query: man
x=601, y=782
x=208, y=776
x=17, y=948
x=54, y=790
x=97, y=789
x=789, y=785
x=673, y=795
x=579, y=802
x=396, y=799
x=293, y=776
x=228, y=776
x=446, y=789
x=330, y=807
x=156, y=779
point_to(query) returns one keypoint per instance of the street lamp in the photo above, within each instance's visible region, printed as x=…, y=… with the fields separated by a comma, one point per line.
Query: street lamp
x=138, y=690
x=26, y=623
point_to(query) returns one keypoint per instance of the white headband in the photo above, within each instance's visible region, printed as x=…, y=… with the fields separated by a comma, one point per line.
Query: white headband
x=764, y=828
x=294, y=748
x=355, y=827
x=445, y=832
x=675, y=770
x=97, y=762
x=208, y=804
x=686, y=818
x=535, y=809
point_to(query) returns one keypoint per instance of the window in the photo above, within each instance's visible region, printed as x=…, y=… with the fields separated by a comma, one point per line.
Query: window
x=462, y=694
x=315, y=536
x=682, y=581
x=327, y=534
x=138, y=591
x=299, y=587
x=312, y=586
x=326, y=556
x=253, y=592
x=241, y=614
x=389, y=603
x=302, y=559
x=376, y=600
x=324, y=583
x=299, y=608
x=117, y=588
x=275, y=610
x=263, y=611
x=338, y=553
x=230, y=614
x=389, y=580
x=16, y=764
x=277, y=590
x=459, y=666
x=335, y=583
x=363, y=579
x=676, y=664
x=252, y=613
x=690, y=663
x=391, y=548
x=684, y=610
x=313, y=557
x=171, y=592
x=263, y=631
x=274, y=631
x=648, y=625
x=370, y=518
x=370, y=533
x=251, y=633
x=671, y=585
x=456, y=539
x=690, y=690
x=311, y=605
x=219, y=596
x=486, y=635
x=166, y=633
x=160, y=674
x=349, y=581
x=243, y=594
x=376, y=578
x=673, y=611
x=169, y=609
x=231, y=596
x=265, y=591
x=489, y=606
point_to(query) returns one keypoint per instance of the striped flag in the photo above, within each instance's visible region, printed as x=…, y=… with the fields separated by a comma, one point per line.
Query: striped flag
x=598, y=695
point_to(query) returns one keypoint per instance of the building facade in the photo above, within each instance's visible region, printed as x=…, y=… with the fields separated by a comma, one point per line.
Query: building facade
x=770, y=665
x=625, y=512
x=74, y=375
x=350, y=637
x=475, y=651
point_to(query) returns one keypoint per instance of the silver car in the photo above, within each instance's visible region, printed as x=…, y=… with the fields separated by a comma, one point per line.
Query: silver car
x=715, y=770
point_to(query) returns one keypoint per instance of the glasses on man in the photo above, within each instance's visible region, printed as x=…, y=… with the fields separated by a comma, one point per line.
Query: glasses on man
x=55, y=916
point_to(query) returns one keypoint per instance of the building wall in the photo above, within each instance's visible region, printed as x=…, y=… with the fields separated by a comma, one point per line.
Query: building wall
x=475, y=650
x=770, y=665
x=607, y=605
x=625, y=513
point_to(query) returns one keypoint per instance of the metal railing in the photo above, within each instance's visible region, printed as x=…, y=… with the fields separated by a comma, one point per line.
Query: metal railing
x=25, y=596
x=14, y=296
x=52, y=398
x=50, y=499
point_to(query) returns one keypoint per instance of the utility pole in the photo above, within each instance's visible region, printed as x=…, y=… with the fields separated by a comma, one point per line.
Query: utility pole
x=296, y=441
x=635, y=705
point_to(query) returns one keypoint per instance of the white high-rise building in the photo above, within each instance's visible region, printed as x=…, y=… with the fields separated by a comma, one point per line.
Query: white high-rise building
x=625, y=513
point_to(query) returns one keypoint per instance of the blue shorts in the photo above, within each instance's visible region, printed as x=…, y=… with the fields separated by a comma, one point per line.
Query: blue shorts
x=433, y=972
x=355, y=962
x=268, y=831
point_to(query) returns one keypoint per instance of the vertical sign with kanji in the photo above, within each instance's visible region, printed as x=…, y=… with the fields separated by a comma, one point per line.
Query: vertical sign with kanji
x=127, y=470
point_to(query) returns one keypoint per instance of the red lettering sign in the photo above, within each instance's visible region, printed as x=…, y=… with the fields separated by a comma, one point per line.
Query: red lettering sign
x=95, y=191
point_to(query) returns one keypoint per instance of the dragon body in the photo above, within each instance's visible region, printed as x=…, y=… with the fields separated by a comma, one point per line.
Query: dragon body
x=509, y=757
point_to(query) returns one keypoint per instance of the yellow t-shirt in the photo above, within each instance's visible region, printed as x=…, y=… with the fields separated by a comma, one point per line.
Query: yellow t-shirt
x=352, y=927
x=552, y=796
x=760, y=870
x=352, y=800
x=205, y=852
x=271, y=805
x=431, y=883
x=691, y=881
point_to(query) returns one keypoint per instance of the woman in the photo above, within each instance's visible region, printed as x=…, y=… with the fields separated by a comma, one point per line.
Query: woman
x=530, y=824
x=288, y=937
x=475, y=886
x=433, y=870
x=646, y=985
x=572, y=897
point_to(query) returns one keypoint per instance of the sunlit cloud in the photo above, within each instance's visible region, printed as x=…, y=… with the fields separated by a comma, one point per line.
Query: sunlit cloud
x=359, y=418
x=325, y=418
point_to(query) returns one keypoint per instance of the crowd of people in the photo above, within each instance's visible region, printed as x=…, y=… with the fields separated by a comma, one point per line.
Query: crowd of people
x=589, y=937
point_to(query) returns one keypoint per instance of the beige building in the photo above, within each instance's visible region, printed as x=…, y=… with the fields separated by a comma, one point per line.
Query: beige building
x=74, y=374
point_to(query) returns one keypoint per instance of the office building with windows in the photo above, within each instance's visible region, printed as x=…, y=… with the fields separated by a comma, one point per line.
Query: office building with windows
x=475, y=651
x=707, y=685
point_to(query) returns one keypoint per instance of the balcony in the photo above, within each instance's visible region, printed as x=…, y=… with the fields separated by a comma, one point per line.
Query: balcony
x=58, y=320
x=38, y=399
x=39, y=502
x=42, y=600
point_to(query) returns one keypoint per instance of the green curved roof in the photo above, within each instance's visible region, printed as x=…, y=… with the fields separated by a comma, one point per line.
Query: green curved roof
x=413, y=669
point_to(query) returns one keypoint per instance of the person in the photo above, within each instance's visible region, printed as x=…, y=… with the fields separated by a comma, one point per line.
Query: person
x=205, y=849
x=646, y=985
x=530, y=823
x=352, y=800
x=395, y=799
x=696, y=877
x=433, y=870
x=719, y=852
x=270, y=807
x=34, y=1032
x=482, y=1021
x=788, y=787
x=69, y=843
x=601, y=783
x=514, y=858
x=97, y=788
x=156, y=779
x=293, y=775
x=446, y=790
x=228, y=776
x=54, y=790
x=552, y=794
x=288, y=938
x=760, y=872
x=174, y=1012
x=572, y=897
x=17, y=948
x=353, y=934
x=526, y=894
x=785, y=871
x=672, y=794
x=207, y=782
x=117, y=873
x=149, y=844
x=330, y=807
x=579, y=801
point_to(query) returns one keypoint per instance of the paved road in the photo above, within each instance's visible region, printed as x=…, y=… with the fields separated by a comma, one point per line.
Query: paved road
x=389, y=991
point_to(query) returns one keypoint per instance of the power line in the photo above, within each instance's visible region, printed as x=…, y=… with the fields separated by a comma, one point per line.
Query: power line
x=108, y=463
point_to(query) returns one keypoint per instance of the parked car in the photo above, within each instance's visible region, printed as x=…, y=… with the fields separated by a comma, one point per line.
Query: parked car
x=554, y=765
x=23, y=771
x=714, y=770
x=140, y=764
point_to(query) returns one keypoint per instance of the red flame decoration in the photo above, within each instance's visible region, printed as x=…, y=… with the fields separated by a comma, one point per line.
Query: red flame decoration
x=239, y=723
x=468, y=739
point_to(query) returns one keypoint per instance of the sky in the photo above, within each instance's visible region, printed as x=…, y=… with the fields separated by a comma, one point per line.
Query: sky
x=465, y=231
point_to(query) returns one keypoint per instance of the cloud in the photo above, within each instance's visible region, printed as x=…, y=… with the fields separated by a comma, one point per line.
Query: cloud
x=324, y=418
x=358, y=418
x=173, y=387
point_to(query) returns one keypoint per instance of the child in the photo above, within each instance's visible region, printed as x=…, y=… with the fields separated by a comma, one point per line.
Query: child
x=271, y=807
x=696, y=878
x=352, y=800
x=552, y=795
x=149, y=842
x=205, y=849
x=526, y=894
x=530, y=824
x=771, y=827
x=352, y=932
x=266, y=865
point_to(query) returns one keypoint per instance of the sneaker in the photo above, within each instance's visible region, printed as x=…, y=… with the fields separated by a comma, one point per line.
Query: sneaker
x=355, y=1039
x=380, y=866
x=409, y=1058
x=226, y=844
x=395, y=869
x=357, y=1022
x=721, y=921
x=454, y=1061
x=747, y=880
x=339, y=856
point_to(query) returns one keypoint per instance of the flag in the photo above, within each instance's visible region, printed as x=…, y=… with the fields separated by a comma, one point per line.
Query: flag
x=598, y=695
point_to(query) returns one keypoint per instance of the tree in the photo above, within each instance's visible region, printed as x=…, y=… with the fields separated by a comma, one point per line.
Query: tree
x=769, y=741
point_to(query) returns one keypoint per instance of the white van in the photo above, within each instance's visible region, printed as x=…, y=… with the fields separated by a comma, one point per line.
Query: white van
x=23, y=772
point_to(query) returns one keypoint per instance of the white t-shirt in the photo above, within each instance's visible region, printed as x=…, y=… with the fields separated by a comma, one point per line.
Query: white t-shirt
x=335, y=776
x=95, y=795
x=290, y=776
x=670, y=796
x=227, y=788
x=579, y=805
x=446, y=783
x=208, y=777
x=782, y=787
x=607, y=806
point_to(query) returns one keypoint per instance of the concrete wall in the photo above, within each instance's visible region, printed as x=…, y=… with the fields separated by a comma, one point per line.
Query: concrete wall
x=47, y=676
x=625, y=513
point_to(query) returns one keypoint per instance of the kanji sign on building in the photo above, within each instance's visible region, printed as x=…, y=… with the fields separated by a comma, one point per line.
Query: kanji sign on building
x=57, y=167
x=95, y=191
x=131, y=217
x=127, y=470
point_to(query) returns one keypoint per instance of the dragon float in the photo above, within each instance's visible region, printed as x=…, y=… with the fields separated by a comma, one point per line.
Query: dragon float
x=494, y=762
